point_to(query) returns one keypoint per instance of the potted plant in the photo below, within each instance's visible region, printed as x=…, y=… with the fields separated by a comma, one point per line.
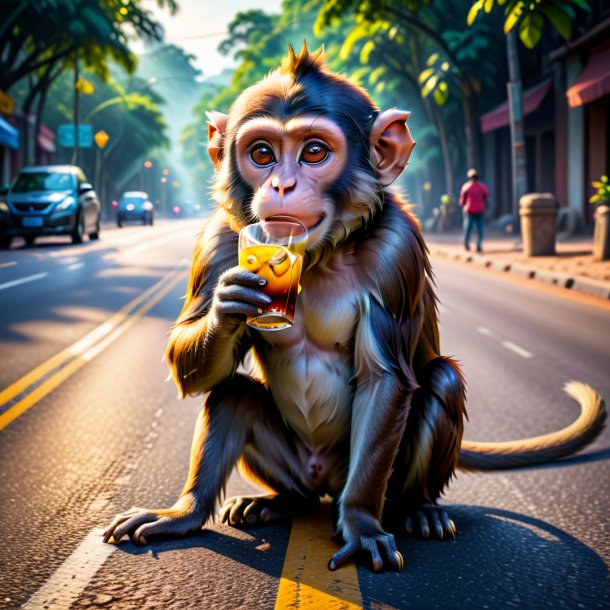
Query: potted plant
x=601, y=236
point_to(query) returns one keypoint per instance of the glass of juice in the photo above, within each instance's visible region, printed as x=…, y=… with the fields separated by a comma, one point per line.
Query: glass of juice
x=274, y=250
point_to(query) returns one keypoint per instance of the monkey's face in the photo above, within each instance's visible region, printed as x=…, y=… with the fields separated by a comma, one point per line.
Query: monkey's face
x=290, y=166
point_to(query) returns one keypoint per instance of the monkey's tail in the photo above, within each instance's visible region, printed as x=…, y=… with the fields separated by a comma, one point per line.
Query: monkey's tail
x=544, y=448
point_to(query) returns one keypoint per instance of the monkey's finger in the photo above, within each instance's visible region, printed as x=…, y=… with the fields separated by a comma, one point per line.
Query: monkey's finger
x=131, y=524
x=343, y=554
x=392, y=557
x=237, y=510
x=110, y=530
x=424, y=526
x=226, y=510
x=370, y=546
x=244, y=293
x=408, y=525
x=238, y=308
x=447, y=524
x=165, y=525
x=436, y=521
x=239, y=275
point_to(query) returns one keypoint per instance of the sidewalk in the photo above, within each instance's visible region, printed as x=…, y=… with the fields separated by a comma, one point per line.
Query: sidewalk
x=572, y=266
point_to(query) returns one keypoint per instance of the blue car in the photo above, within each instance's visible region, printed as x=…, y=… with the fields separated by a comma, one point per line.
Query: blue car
x=135, y=205
x=49, y=200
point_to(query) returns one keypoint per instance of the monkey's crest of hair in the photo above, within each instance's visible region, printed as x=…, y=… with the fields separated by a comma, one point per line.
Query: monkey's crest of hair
x=298, y=65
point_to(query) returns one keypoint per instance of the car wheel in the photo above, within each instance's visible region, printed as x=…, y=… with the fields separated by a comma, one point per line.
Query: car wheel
x=5, y=241
x=119, y=222
x=96, y=233
x=152, y=220
x=79, y=230
x=29, y=239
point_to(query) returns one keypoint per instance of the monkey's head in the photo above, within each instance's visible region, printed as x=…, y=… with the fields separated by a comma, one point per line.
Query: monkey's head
x=306, y=143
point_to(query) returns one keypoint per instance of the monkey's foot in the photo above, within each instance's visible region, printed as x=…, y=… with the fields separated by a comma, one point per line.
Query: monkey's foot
x=252, y=510
x=140, y=523
x=429, y=521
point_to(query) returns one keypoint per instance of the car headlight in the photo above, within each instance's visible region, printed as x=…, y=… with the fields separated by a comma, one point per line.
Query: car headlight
x=4, y=207
x=148, y=206
x=131, y=207
x=65, y=204
x=68, y=202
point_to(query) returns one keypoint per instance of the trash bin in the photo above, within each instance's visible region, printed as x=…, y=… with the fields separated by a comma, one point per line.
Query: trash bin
x=538, y=212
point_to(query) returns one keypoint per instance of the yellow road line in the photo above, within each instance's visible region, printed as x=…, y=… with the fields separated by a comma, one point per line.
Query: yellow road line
x=306, y=582
x=83, y=351
x=80, y=346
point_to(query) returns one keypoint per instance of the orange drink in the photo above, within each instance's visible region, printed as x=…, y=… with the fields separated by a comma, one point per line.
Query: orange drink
x=274, y=250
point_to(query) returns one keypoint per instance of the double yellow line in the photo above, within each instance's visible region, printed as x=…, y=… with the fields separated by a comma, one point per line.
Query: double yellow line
x=42, y=380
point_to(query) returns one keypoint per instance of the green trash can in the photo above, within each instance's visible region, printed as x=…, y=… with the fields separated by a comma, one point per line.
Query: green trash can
x=538, y=213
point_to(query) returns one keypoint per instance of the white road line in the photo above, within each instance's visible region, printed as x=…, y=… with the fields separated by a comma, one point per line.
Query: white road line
x=518, y=350
x=10, y=264
x=23, y=280
x=485, y=331
x=73, y=576
x=75, y=266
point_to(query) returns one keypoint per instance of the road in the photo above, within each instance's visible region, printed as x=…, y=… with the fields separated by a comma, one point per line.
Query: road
x=91, y=426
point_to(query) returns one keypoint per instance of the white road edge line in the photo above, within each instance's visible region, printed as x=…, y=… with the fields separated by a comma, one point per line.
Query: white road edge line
x=9, y=264
x=518, y=350
x=73, y=575
x=75, y=266
x=23, y=280
x=485, y=331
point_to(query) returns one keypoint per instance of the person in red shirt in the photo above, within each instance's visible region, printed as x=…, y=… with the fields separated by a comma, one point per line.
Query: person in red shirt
x=472, y=200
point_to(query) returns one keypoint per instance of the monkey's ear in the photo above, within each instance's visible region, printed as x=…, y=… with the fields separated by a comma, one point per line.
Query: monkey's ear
x=217, y=126
x=391, y=144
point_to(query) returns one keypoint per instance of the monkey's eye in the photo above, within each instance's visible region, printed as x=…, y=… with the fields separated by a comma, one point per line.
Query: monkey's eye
x=314, y=152
x=262, y=154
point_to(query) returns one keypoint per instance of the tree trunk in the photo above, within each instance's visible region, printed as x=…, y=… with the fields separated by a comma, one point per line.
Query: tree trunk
x=515, y=109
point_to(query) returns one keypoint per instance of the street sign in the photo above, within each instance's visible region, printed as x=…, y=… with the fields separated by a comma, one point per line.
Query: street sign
x=101, y=138
x=65, y=136
x=7, y=103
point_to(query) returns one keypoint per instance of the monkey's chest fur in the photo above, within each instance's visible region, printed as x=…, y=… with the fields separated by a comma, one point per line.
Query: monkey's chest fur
x=309, y=367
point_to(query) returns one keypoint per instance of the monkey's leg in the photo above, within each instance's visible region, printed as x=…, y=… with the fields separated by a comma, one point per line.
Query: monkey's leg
x=428, y=453
x=227, y=421
x=270, y=459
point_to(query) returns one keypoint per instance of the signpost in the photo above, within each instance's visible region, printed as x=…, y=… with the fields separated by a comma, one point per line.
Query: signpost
x=66, y=139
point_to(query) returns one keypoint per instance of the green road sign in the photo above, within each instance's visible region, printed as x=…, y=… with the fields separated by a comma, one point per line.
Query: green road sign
x=65, y=136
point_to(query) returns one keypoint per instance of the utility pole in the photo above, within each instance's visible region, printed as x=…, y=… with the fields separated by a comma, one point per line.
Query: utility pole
x=76, y=111
x=517, y=137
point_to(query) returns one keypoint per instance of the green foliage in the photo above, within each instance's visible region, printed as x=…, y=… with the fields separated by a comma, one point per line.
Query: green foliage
x=602, y=197
x=531, y=16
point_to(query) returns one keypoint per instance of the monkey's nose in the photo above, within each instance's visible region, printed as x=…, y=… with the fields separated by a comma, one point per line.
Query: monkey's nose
x=283, y=186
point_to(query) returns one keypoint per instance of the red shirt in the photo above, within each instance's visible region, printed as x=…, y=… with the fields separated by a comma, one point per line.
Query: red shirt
x=472, y=197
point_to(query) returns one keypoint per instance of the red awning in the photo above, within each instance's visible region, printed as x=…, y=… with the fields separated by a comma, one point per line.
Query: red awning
x=532, y=98
x=46, y=139
x=594, y=82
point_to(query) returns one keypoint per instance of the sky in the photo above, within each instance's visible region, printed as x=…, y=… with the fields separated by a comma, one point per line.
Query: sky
x=200, y=26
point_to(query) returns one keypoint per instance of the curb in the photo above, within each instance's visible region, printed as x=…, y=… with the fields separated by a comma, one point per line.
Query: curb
x=556, y=278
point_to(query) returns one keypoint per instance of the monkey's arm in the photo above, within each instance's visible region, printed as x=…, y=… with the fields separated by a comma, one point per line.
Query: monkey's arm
x=209, y=338
x=385, y=385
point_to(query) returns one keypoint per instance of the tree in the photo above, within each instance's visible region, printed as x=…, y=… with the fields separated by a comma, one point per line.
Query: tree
x=529, y=18
x=39, y=39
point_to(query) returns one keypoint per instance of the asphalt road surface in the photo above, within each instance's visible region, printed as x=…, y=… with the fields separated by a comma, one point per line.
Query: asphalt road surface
x=90, y=426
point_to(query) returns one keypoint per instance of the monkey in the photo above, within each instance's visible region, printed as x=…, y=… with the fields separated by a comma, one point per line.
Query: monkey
x=354, y=400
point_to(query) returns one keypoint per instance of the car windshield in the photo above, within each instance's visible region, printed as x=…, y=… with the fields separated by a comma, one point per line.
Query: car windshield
x=43, y=181
x=134, y=200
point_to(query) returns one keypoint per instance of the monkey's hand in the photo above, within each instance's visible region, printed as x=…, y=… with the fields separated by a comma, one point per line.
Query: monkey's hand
x=140, y=523
x=238, y=295
x=363, y=532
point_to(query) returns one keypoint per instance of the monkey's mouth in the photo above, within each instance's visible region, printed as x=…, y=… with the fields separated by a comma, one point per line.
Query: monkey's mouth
x=304, y=221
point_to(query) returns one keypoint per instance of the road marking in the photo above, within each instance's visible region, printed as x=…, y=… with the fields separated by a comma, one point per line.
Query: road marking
x=23, y=280
x=75, y=266
x=485, y=331
x=73, y=575
x=10, y=264
x=42, y=380
x=518, y=350
x=306, y=581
